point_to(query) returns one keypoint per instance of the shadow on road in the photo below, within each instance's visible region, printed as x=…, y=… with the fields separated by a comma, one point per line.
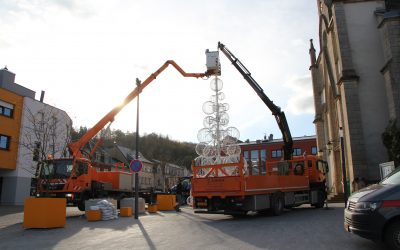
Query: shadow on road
x=6, y=210
x=297, y=228
x=146, y=236
x=14, y=236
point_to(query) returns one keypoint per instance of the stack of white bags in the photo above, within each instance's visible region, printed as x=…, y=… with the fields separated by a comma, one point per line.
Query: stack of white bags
x=108, y=210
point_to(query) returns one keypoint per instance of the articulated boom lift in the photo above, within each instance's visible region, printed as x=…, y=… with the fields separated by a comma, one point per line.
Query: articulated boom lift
x=77, y=178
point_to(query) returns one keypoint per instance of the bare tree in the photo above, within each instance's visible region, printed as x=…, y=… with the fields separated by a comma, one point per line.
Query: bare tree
x=46, y=133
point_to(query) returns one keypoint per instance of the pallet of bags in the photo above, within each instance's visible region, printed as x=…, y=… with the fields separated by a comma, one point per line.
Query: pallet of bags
x=108, y=210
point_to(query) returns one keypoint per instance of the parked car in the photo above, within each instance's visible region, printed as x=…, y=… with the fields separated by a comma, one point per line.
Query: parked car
x=374, y=212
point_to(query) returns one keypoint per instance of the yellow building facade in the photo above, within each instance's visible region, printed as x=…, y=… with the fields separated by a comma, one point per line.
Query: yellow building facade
x=11, y=106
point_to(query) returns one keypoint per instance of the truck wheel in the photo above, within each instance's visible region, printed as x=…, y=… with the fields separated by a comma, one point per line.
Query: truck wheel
x=81, y=205
x=392, y=235
x=238, y=214
x=321, y=200
x=277, y=204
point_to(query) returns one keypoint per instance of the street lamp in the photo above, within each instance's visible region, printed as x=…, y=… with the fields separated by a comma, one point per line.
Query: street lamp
x=137, y=153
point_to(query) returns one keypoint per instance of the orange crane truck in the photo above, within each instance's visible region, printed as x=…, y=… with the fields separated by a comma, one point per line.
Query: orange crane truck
x=236, y=188
x=76, y=178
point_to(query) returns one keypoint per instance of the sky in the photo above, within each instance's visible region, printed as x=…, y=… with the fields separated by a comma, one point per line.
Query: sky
x=87, y=54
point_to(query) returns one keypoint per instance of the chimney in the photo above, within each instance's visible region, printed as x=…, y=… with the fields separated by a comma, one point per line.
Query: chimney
x=42, y=96
x=270, y=137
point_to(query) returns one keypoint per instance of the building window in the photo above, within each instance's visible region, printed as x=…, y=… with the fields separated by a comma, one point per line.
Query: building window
x=256, y=166
x=5, y=142
x=314, y=150
x=254, y=157
x=6, y=109
x=296, y=151
x=276, y=153
x=53, y=125
x=40, y=125
x=263, y=157
x=246, y=155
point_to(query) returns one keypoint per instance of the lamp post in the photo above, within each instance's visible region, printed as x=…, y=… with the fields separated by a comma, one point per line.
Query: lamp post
x=137, y=153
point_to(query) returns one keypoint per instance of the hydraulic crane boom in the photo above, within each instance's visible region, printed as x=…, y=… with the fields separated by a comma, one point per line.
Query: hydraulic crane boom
x=75, y=147
x=276, y=111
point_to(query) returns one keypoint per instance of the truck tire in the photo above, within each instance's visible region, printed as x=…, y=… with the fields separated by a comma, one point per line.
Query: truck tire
x=81, y=205
x=238, y=214
x=391, y=235
x=277, y=204
x=321, y=200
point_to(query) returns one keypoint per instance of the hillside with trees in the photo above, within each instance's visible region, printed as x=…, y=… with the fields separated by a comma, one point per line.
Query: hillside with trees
x=152, y=146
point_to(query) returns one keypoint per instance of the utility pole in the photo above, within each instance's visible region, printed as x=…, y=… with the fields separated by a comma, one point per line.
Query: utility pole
x=137, y=153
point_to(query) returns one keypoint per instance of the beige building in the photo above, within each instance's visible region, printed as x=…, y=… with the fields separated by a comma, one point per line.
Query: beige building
x=356, y=81
x=155, y=175
x=166, y=175
x=126, y=155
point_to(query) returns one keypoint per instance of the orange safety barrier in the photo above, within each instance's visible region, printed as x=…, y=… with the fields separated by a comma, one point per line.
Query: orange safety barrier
x=125, y=211
x=45, y=212
x=152, y=208
x=166, y=202
x=93, y=215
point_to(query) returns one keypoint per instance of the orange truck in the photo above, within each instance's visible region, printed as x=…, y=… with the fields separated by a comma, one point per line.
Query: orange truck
x=236, y=188
x=77, y=178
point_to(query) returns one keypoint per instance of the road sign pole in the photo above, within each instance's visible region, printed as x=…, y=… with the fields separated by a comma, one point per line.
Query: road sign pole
x=137, y=154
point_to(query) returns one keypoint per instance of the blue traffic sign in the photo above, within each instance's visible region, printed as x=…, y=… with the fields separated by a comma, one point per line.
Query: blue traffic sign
x=135, y=166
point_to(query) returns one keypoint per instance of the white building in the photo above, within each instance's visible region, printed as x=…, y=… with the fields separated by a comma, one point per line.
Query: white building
x=39, y=128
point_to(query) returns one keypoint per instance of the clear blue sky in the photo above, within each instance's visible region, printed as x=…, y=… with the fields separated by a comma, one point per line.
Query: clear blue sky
x=86, y=55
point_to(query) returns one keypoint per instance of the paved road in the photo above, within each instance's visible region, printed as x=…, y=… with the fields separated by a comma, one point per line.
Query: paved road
x=301, y=228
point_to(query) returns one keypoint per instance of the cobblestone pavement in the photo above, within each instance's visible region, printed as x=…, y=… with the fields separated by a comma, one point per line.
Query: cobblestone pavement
x=300, y=228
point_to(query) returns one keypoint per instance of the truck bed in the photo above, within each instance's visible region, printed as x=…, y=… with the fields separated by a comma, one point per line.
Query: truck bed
x=119, y=180
x=216, y=180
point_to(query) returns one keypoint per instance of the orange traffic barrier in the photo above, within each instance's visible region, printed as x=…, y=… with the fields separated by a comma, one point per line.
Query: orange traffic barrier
x=166, y=202
x=125, y=211
x=93, y=215
x=45, y=212
x=152, y=208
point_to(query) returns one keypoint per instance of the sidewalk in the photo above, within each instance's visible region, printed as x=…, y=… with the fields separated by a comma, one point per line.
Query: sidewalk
x=9, y=215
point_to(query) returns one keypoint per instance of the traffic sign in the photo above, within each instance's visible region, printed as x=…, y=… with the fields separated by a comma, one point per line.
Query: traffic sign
x=135, y=166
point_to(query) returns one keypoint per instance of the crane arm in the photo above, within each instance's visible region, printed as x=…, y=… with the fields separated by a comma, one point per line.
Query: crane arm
x=276, y=111
x=75, y=147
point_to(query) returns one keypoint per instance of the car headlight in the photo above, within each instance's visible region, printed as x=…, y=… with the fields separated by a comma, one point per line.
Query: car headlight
x=366, y=206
